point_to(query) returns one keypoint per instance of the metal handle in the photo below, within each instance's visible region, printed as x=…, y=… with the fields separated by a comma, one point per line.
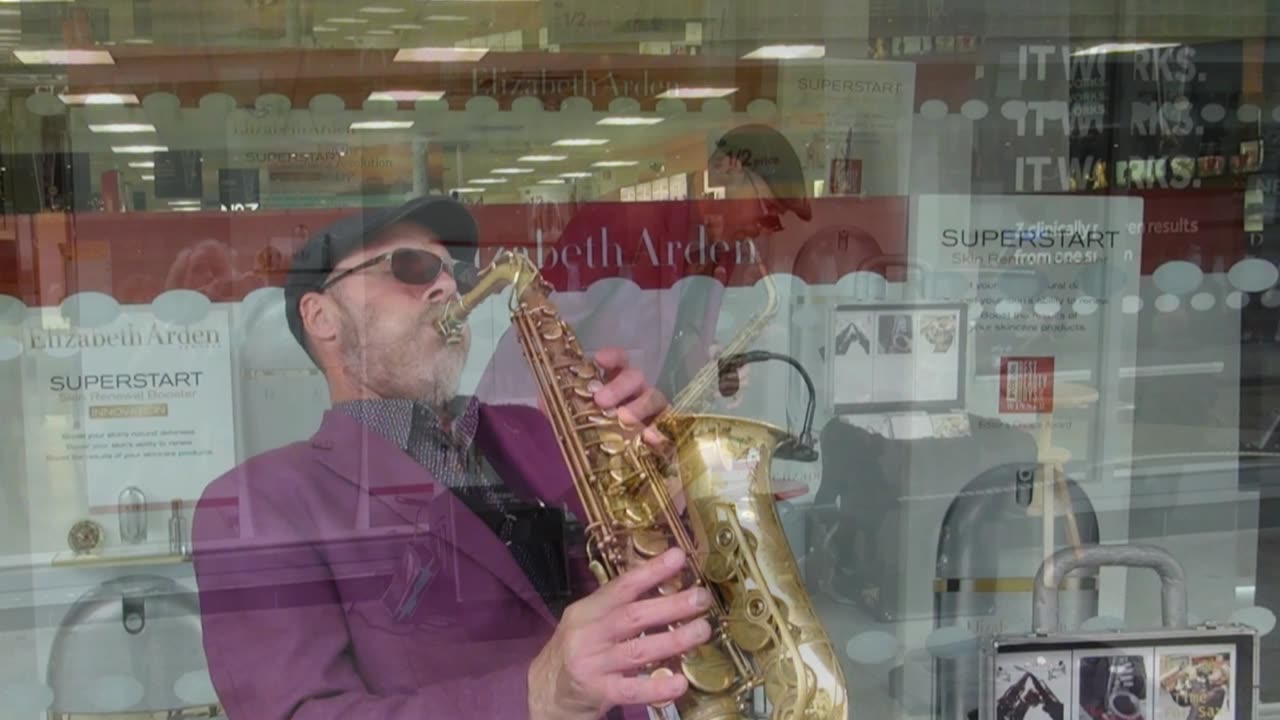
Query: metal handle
x=1173, y=581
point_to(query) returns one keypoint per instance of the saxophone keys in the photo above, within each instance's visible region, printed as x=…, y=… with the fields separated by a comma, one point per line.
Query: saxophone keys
x=718, y=567
x=708, y=668
x=585, y=371
x=649, y=543
x=612, y=444
x=662, y=672
x=552, y=331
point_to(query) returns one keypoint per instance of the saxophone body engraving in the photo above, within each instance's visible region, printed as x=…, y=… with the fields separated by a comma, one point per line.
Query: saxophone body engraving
x=765, y=633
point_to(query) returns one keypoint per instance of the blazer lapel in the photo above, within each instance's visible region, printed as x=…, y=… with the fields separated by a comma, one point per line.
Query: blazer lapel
x=520, y=444
x=385, y=475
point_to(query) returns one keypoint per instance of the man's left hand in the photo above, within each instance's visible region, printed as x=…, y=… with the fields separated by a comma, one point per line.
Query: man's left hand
x=627, y=390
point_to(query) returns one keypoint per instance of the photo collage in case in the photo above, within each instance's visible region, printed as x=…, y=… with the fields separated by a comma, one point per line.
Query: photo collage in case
x=1162, y=683
x=896, y=355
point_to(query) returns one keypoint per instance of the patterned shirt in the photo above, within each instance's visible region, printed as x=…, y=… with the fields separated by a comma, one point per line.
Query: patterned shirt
x=446, y=449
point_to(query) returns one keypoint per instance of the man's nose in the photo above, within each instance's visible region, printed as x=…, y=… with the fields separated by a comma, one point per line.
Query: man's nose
x=441, y=290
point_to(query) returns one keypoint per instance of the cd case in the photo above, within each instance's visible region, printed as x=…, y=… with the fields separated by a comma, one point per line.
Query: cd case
x=1208, y=673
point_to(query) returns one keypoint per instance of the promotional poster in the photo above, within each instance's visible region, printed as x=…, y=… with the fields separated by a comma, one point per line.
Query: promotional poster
x=133, y=401
x=1033, y=686
x=1113, y=685
x=1196, y=684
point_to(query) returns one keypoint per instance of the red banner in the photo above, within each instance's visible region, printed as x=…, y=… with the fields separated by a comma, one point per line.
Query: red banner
x=136, y=256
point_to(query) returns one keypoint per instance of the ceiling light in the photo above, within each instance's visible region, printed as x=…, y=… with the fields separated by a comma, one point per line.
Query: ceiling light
x=694, y=93
x=406, y=26
x=575, y=175
x=10, y=31
x=191, y=201
x=381, y=10
x=324, y=29
x=440, y=54
x=488, y=181
x=1108, y=48
x=142, y=164
x=448, y=18
x=381, y=32
x=382, y=125
x=552, y=181
x=467, y=190
x=512, y=171
x=122, y=128
x=148, y=177
x=629, y=120
x=579, y=142
x=138, y=149
x=139, y=41
x=99, y=99
x=542, y=158
x=64, y=57
x=615, y=163
x=347, y=21
x=406, y=95
x=786, y=52
x=10, y=13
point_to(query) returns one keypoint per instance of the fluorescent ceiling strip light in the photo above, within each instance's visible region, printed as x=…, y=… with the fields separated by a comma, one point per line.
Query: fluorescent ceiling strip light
x=447, y=18
x=693, y=93
x=629, y=120
x=1109, y=48
x=786, y=52
x=615, y=163
x=64, y=57
x=191, y=201
x=406, y=95
x=579, y=142
x=542, y=158
x=440, y=54
x=511, y=171
x=381, y=32
x=406, y=26
x=99, y=98
x=382, y=125
x=467, y=190
x=346, y=21
x=575, y=174
x=324, y=29
x=381, y=10
x=488, y=181
x=142, y=164
x=148, y=177
x=552, y=181
x=138, y=149
x=122, y=128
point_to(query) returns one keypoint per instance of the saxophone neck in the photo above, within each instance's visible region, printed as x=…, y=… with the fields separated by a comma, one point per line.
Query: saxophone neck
x=507, y=268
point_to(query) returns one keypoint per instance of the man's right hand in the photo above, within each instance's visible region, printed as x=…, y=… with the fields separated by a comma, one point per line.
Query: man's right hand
x=594, y=660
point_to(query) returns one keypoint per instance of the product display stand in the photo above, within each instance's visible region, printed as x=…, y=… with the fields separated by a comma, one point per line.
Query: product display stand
x=1209, y=671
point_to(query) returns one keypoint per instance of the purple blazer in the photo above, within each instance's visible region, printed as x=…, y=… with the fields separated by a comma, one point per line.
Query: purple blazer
x=338, y=580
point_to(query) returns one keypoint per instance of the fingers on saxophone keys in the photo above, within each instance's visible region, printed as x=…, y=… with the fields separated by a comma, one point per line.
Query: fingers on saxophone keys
x=639, y=580
x=644, y=615
x=645, y=689
x=642, y=651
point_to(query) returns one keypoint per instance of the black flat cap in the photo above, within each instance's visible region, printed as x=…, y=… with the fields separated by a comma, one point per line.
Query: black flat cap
x=447, y=218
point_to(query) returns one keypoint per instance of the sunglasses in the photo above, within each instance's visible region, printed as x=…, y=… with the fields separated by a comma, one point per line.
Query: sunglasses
x=411, y=266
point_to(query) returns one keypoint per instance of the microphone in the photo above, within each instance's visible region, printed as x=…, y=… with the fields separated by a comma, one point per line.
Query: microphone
x=800, y=448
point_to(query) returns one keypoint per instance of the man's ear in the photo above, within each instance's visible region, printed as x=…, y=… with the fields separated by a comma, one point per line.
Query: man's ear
x=319, y=316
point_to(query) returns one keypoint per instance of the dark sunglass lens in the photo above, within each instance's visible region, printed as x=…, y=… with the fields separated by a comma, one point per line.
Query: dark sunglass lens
x=415, y=267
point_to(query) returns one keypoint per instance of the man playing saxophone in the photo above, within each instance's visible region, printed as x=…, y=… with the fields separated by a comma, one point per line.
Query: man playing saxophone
x=402, y=562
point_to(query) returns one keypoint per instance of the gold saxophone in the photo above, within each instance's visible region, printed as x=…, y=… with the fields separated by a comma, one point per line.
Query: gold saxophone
x=765, y=634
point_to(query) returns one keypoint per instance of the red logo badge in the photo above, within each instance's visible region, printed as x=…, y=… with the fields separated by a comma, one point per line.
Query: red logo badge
x=1026, y=384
